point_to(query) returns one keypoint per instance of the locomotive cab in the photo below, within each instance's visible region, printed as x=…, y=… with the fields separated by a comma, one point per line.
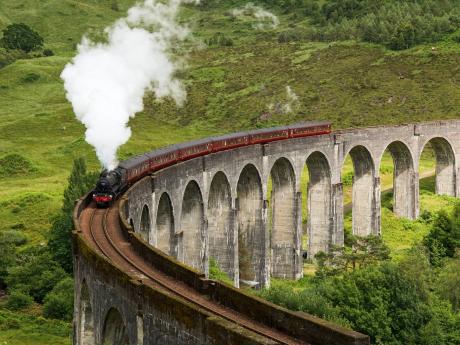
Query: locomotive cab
x=107, y=188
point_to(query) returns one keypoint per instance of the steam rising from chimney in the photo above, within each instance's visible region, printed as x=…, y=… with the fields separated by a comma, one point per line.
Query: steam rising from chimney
x=106, y=81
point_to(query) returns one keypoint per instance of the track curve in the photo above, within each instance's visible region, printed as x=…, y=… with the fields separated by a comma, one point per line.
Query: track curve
x=102, y=230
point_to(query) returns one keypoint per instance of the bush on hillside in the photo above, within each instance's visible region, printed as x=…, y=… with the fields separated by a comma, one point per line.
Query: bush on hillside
x=59, y=302
x=36, y=273
x=18, y=300
x=48, y=52
x=220, y=40
x=14, y=164
x=443, y=239
x=21, y=37
x=7, y=257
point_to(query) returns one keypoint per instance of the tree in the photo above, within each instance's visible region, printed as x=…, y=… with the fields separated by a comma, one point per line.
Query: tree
x=7, y=257
x=22, y=37
x=59, y=302
x=444, y=236
x=36, y=274
x=360, y=251
x=59, y=243
x=380, y=301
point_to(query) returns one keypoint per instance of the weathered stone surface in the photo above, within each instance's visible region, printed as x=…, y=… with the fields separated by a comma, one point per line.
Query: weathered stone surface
x=239, y=219
x=243, y=208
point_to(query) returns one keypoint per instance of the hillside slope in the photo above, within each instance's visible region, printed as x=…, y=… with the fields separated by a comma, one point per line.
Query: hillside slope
x=229, y=88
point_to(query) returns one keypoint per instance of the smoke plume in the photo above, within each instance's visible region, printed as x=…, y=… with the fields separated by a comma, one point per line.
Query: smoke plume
x=266, y=20
x=106, y=81
x=288, y=105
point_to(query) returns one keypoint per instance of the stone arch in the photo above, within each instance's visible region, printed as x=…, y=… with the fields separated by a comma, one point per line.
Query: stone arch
x=319, y=224
x=363, y=192
x=87, y=335
x=191, y=225
x=144, y=227
x=114, y=332
x=251, y=237
x=165, y=223
x=220, y=237
x=404, y=180
x=445, y=165
x=283, y=224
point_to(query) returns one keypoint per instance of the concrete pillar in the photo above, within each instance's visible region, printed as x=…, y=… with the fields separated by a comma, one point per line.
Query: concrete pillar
x=252, y=218
x=164, y=225
x=204, y=252
x=376, y=208
x=337, y=233
x=320, y=202
x=298, y=258
x=233, y=229
x=405, y=181
x=415, y=209
x=265, y=260
x=457, y=183
x=445, y=167
x=191, y=226
x=319, y=219
x=219, y=236
x=283, y=221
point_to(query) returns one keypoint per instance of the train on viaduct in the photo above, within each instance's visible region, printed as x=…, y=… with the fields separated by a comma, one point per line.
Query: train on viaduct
x=142, y=265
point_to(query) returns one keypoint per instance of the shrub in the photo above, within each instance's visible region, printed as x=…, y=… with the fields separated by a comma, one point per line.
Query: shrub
x=22, y=37
x=15, y=164
x=444, y=237
x=59, y=302
x=216, y=273
x=219, y=39
x=48, y=52
x=289, y=36
x=114, y=6
x=35, y=274
x=30, y=78
x=18, y=300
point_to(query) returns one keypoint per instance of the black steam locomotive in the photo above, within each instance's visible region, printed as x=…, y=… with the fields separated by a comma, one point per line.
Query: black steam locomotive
x=112, y=183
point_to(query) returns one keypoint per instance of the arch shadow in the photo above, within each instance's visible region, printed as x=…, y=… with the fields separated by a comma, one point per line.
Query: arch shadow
x=283, y=222
x=251, y=237
x=165, y=224
x=220, y=236
x=189, y=238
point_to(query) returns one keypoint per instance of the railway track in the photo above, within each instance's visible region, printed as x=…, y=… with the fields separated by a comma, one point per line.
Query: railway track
x=102, y=228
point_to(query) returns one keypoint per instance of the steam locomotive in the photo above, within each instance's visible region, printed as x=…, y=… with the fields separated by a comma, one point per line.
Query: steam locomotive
x=112, y=183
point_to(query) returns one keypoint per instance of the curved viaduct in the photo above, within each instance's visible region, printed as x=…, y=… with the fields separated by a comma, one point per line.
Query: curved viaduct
x=242, y=208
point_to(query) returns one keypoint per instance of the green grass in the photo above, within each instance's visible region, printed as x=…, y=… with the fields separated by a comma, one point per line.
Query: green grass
x=20, y=328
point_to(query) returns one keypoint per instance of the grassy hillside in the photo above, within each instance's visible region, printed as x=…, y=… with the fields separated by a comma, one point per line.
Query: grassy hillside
x=229, y=88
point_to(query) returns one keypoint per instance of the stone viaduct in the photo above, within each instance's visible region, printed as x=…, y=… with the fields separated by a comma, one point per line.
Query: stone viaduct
x=243, y=208
x=247, y=202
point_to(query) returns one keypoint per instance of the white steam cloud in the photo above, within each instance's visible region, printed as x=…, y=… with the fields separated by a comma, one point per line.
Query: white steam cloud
x=266, y=19
x=106, y=81
x=287, y=106
x=291, y=100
